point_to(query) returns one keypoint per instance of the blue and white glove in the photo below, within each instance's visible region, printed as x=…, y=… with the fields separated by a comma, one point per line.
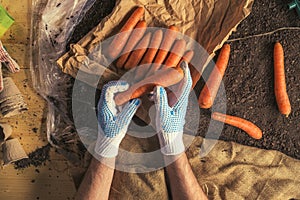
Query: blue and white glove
x=113, y=126
x=170, y=120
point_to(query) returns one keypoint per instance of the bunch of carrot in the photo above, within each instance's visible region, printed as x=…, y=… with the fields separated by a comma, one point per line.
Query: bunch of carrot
x=157, y=56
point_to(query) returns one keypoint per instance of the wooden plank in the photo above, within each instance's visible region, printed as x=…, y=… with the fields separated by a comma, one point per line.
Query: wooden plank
x=47, y=182
x=51, y=181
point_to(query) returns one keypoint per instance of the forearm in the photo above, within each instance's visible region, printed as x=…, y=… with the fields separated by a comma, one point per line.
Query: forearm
x=97, y=181
x=183, y=182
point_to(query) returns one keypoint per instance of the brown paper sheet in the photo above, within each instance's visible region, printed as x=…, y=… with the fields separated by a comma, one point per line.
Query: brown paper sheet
x=209, y=22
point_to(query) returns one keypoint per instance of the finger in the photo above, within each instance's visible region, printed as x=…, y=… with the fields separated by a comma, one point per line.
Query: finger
x=186, y=84
x=107, y=102
x=126, y=115
x=161, y=100
x=187, y=76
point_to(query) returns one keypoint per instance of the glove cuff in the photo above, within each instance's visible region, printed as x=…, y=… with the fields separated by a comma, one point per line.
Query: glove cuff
x=108, y=147
x=171, y=143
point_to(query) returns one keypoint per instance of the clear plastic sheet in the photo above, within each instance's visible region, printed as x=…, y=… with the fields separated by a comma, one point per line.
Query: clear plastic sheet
x=53, y=23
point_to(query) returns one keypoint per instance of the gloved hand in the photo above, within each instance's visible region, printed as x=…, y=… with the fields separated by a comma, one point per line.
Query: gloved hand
x=170, y=120
x=113, y=126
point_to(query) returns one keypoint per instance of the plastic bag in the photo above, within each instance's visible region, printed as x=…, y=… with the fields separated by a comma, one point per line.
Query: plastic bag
x=53, y=23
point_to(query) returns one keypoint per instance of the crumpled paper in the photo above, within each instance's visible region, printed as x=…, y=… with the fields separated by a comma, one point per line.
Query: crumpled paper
x=209, y=22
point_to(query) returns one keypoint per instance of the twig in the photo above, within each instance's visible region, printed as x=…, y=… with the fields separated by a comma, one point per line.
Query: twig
x=263, y=34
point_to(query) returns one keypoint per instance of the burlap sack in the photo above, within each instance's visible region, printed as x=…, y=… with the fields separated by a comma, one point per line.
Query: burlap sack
x=229, y=171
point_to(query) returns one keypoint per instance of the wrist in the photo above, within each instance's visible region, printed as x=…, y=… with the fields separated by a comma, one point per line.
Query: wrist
x=171, y=143
x=108, y=147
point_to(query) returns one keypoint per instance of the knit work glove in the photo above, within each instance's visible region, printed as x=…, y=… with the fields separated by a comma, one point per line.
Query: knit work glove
x=170, y=120
x=113, y=126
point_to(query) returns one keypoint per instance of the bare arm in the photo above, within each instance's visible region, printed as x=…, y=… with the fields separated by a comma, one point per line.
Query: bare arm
x=183, y=182
x=97, y=181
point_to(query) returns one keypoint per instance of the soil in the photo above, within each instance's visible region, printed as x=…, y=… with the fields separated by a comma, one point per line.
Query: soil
x=249, y=77
x=35, y=158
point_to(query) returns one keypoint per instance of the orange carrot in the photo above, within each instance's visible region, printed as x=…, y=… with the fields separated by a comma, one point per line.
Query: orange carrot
x=195, y=74
x=144, y=65
x=172, y=95
x=136, y=56
x=188, y=56
x=120, y=40
x=210, y=90
x=134, y=38
x=164, y=78
x=176, y=54
x=153, y=47
x=169, y=38
x=247, y=126
x=281, y=95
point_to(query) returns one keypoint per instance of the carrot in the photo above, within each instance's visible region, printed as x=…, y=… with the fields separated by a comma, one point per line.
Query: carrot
x=172, y=95
x=120, y=40
x=176, y=54
x=164, y=78
x=247, y=126
x=281, y=95
x=195, y=74
x=153, y=47
x=135, y=37
x=169, y=38
x=141, y=71
x=188, y=56
x=136, y=56
x=210, y=90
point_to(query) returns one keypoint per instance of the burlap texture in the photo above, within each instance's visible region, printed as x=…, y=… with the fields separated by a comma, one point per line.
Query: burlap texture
x=229, y=171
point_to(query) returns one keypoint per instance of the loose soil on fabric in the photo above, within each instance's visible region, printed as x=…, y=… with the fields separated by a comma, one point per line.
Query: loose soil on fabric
x=249, y=77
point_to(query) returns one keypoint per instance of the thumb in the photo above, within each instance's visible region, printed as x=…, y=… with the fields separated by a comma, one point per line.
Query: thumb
x=161, y=99
x=128, y=111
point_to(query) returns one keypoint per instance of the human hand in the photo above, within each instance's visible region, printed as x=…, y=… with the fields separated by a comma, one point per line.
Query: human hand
x=170, y=120
x=113, y=125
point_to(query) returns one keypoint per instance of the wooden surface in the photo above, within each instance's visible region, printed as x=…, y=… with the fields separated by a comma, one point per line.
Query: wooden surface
x=51, y=181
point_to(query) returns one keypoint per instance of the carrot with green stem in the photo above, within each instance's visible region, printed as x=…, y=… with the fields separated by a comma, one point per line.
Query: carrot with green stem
x=120, y=40
x=281, y=95
x=134, y=38
x=247, y=126
x=136, y=56
x=149, y=56
x=210, y=90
